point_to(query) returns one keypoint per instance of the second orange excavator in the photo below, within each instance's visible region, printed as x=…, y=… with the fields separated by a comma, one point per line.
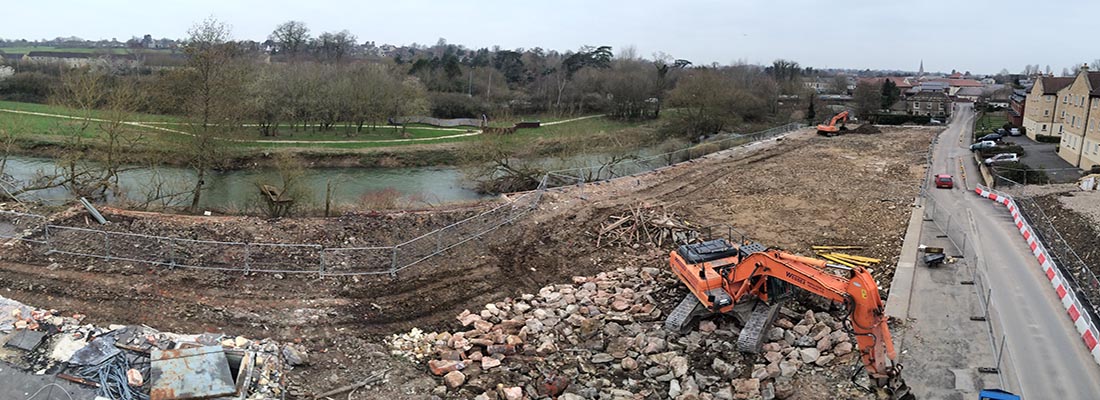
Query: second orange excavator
x=832, y=129
x=750, y=282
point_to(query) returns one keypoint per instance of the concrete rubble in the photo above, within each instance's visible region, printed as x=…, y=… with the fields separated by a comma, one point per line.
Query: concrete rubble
x=76, y=351
x=601, y=337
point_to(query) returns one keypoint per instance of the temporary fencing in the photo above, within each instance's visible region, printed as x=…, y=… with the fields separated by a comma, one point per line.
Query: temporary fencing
x=1071, y=291
x=288, y=258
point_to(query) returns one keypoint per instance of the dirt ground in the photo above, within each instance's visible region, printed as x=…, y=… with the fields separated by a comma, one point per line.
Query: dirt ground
x=801, y=191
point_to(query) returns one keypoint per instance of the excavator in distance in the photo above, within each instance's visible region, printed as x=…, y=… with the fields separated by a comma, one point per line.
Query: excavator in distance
x=831, y=129
x=750, y=282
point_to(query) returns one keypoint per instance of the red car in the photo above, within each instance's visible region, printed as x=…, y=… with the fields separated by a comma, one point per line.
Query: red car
x=944, y=181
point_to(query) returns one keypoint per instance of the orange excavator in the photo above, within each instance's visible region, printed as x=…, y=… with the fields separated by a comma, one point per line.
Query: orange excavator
x=831, y=129
x=750, y=282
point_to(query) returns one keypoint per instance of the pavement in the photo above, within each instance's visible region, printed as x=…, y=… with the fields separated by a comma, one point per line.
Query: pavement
x=1043, y=355
x=16, y=384
x=1043, y=156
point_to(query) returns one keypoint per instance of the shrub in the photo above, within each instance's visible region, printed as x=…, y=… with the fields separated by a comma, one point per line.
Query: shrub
x=703, y=149
x=456, y=105
x=385, y=199
x=1021, y=173
x=1048, y=139
x=27, y=87
x=898, y=119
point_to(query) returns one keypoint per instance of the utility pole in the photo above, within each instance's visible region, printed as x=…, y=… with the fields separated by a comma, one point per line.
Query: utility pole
x=489, y=91
x=470, y=86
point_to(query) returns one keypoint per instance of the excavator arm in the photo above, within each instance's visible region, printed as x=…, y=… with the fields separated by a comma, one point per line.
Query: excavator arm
x=831, y=129
x=859, y=294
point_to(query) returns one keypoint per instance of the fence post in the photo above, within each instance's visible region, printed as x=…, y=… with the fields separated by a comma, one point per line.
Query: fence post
x=322, y=267
x=49, y=243
x=393, y=261
x=171, y=253
x=107, y=245
x=247, y=258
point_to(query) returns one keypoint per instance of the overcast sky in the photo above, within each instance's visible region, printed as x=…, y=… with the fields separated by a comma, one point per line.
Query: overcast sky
x=979, y=36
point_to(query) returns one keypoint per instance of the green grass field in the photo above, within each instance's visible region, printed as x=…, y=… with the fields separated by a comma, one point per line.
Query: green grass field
x=28, y=49
x=989, y=122
x=51, y=129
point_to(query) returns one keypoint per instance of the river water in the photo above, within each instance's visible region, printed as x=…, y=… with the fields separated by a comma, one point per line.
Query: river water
x=236, y=190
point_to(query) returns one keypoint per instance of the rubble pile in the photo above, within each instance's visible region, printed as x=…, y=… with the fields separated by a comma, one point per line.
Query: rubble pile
x=601, y=337
x=46, y=342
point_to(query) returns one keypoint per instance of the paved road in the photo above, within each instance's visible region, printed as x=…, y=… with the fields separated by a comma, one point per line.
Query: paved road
x=1042, y=156
x=1043, y=348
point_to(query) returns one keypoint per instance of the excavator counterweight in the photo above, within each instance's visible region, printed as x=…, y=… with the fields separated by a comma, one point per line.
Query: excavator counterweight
x=749, y=282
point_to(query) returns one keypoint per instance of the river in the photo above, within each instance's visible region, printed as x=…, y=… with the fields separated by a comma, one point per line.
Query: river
x=237, y=190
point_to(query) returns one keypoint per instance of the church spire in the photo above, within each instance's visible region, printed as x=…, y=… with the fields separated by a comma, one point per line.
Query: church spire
x=921, y=72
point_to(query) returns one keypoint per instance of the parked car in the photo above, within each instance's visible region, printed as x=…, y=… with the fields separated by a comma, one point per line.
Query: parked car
x=991, y=136
x=1002, y=158
x=1000, y=131
x=944, y=181
x=935, y=121
x=1014, y=132
x=985, y=144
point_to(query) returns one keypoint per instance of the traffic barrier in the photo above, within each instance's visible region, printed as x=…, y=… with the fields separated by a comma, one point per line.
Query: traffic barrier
x=1090, y=335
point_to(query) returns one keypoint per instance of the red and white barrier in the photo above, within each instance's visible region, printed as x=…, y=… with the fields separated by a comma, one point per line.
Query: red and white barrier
x=1089, y=333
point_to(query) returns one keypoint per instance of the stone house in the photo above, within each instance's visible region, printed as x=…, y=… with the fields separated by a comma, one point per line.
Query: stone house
x=1079, y=108
x=1043, y=106
x=930, y=103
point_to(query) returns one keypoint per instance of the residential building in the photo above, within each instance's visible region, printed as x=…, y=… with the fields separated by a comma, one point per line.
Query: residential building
x=1079, y=103
x=970, y=94
x=931, y=103
x=1042, y=111
x=1017, y=103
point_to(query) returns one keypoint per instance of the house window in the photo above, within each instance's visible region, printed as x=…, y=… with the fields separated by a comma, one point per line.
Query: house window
x=1065, y=99
x=1044, y=127
x=1046, y=113
x=1094, y=104
x=928, y=106
x=1063, y=114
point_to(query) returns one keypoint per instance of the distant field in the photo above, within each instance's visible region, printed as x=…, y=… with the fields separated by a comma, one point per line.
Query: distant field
x=28, y=49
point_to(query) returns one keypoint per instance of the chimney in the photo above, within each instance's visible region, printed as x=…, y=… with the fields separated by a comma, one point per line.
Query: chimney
x=1085, y=68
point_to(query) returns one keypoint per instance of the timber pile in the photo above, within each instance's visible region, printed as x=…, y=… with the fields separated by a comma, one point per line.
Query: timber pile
x=646, y=225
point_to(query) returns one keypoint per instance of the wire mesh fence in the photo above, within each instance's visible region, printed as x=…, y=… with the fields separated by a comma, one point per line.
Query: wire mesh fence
x=294, y=258
x=972, y=271
x=1080, y=275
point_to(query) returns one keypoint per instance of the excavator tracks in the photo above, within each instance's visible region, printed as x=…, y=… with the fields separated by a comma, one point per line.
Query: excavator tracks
x=751, y=339
x=681, y=317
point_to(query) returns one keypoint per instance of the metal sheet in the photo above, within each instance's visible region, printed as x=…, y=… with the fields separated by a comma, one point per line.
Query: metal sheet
x=96, y=352
x=25, y=339
x=195, y=373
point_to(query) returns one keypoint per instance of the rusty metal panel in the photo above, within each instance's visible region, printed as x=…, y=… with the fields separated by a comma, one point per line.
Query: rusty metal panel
x=195, y=373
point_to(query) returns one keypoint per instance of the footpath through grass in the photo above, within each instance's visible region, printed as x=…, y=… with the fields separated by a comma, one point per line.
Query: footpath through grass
x=52, y=124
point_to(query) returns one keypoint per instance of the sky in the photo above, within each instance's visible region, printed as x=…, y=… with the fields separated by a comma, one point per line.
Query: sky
x=966, y=35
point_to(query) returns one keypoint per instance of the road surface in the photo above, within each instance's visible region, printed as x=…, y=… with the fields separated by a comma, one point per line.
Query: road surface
x=1045, y=356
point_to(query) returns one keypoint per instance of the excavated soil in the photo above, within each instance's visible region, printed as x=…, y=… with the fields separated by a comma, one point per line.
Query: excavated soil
x=794, y=193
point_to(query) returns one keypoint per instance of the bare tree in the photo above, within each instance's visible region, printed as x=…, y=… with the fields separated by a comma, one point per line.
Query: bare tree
x=291, y=38
x=217, y=75
x=867, y=98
